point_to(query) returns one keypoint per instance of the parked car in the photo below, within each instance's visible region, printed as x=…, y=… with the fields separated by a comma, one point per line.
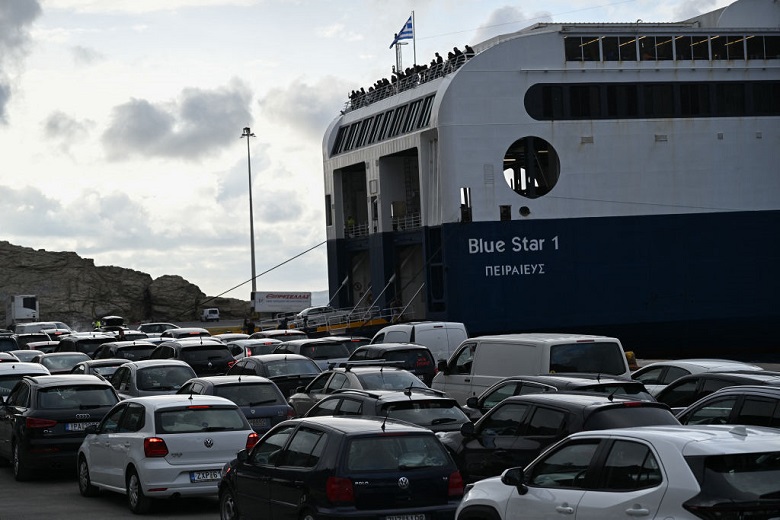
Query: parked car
x=207, y=356
x=655, y=376
x=280, y=334
x=43, y=420
x=252, y=347
x=12, y=373
x=156, y=328
x=688, y=389
x=151, y=377
x=185, y=332
x=60, y=362
x=259, y=398
x=516, y=430
x=162, y=446
x=287, y=371
x=422, y=406
x=127, y=350
x=25, y=356
x=681, y=472
x=360, y=377
x=38, y=326
x=7, y=357
x=336, y=467
x=313, y=317
x=442, y=337
x=521, y=385
x=8, y=342
x=744, y=404
x=43, y=346
x=324, y=352
x=86, y=342
x=417, y=359
x=29, y=337
x=104, y=368
x=211, y=314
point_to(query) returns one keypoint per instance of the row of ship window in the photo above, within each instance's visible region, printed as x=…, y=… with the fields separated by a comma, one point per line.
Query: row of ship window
x=650, y=48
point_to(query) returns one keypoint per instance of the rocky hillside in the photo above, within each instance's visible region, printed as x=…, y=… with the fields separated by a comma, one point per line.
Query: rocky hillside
x=72, y=289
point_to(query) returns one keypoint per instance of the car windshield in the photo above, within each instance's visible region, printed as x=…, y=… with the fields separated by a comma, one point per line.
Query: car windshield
x=205, y=353
x=80, y=397
x=631, y=414
x=287, y=367
x=393, y=452
x=325, y=351
x=738, y=477
x=166, y=377
x=596, y=358
x=389, y=380
x=250, y=394
x=200, y=418
x=427, y=413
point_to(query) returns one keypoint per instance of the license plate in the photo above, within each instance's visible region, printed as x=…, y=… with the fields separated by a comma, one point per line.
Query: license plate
x=205, y=476
x=78, y=426
x=419, y=516
x=260, y=422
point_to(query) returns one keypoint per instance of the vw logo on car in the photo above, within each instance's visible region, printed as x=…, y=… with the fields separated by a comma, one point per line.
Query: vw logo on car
x=403, y=483
x=208, y=443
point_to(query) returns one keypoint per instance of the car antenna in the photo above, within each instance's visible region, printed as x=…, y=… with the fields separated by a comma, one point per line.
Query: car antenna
x=408, y=391
x=611, y=395
x=384, y=421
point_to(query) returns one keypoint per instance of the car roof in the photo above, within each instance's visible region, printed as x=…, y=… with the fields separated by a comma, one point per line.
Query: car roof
x=144, y=363
x=72, y=379
x=175, y=400
x=23, y=368
x=758, y=376
x=576, y=401
x=362, y=424
x=63, y=354
x=276, y=357
x=255, y=341
x=108, y=362
x=705, y=363
x=410, y=394
x=572, y=380
x=699, y=440
x=193, y=342
x=232, y=380
x=766, y=390
x=393, y=346
x=548, y=337
x=79, y=336
x=127, y=343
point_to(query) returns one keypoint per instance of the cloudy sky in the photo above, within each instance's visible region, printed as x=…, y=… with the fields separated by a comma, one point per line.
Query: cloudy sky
x=120, y=120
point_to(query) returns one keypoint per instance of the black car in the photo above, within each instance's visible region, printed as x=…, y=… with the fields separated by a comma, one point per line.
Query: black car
x=8, y=342
x=259, y=398
x=417, y=359
x=129, y=350
x=516, y=430
x=287, y=371
x=351, y=342
x=206, y=356
x=242, y=348
x=476, y=407
x=341, y=468
x=87, y=343
x=688, y=389
x=422, y=406
x=43, y=419
x=60, y=362
x=745, y=404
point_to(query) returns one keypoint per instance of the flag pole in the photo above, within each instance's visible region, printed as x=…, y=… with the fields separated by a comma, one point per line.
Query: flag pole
x=414, y=38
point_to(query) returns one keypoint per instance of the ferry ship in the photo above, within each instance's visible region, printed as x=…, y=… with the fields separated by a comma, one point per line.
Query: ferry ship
x=609, y=178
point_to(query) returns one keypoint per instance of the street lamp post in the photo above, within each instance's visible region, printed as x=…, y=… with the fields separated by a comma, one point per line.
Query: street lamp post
x=247, y=133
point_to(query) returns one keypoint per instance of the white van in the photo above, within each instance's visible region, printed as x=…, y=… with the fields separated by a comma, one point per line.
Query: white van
x=482, y=361
x=211, y=314
x=441, y=337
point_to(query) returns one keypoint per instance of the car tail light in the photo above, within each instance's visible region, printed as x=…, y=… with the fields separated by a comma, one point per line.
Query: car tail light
x=231, y=363
x=34, y=422
x=248, y=352
x=455, y=488
x=199, y=407
x=290, y=412
x=339, y=489
x=155, y=447
x=251, y=440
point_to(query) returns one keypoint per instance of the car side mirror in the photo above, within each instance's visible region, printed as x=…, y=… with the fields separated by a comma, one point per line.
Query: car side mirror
x=515, y=477
x=92, y=428
x=441, y=366
x=472, y=402
x=467, y=429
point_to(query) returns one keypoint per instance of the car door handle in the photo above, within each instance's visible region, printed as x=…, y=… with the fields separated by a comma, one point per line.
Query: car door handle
x=637, y=510
x=467, y=380
x=565, y=509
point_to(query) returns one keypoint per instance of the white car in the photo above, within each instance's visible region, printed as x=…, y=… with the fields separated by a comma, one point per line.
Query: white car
x=680, y=472
x=162, y=446
x=656, y=376
x=12, y=373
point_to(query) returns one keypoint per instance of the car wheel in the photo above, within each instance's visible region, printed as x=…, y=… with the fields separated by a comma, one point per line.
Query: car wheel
x=479, y=513
x=136, y=500
x=85, y=484
x=17, y=463
x=228, y=510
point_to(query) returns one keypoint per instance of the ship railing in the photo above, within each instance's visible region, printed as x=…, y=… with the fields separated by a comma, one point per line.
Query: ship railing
x=352, y=317
x=410, y=221
x=356, y=230
x=407, y=82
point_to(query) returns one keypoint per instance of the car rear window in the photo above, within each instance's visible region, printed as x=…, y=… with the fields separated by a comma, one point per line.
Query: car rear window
x=636, y=390
x=325, y=351
x=627, y=415
x=742, y=477
x=164, y=377
x=89, y=346
x=412, y=359
x=393, y=452
x=389, y=380
x=205, y=353
x=136, y=352
x=7, y=382
x=427, y=413
x=286, y=367
x=251, y=394
x=81, y=397
x=200, y=418
x=596, y=358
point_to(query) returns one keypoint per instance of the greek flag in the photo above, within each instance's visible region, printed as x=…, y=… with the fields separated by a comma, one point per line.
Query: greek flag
x=407, y=32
